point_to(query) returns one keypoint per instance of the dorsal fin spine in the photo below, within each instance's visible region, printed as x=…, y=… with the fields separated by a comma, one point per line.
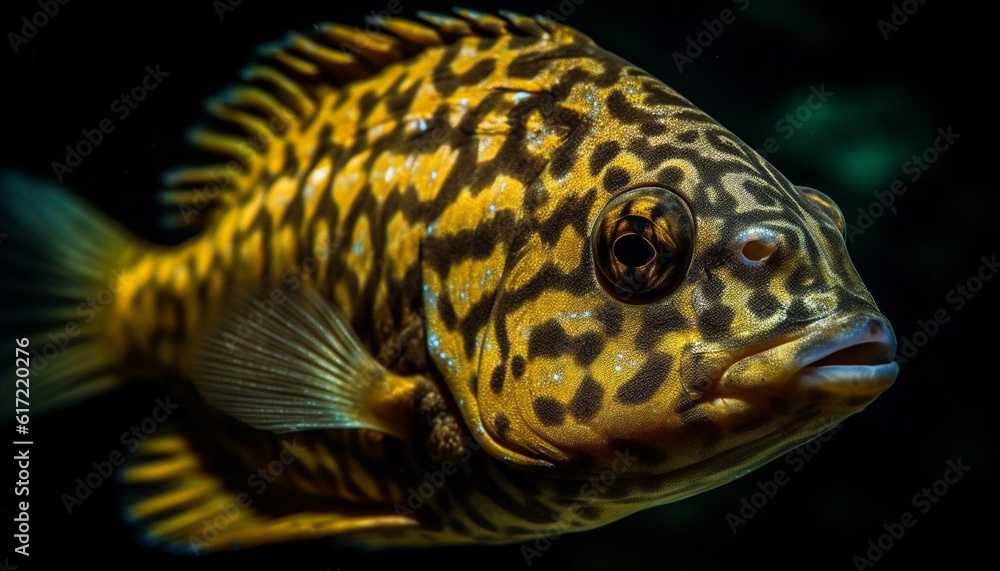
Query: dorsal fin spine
x=289, y=79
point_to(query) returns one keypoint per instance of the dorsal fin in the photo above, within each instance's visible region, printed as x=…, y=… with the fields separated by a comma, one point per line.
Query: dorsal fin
x=281, y=89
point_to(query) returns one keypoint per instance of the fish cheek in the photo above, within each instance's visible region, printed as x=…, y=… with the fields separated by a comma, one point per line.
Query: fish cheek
x=496, y=413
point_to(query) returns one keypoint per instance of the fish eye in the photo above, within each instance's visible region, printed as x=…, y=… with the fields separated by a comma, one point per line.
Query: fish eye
x=827, y=206
x=642, y=242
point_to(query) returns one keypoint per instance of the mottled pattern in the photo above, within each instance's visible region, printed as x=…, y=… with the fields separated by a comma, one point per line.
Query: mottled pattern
x=454, y=175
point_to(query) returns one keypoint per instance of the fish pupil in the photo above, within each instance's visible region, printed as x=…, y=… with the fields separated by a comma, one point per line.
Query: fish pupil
x=634, y=251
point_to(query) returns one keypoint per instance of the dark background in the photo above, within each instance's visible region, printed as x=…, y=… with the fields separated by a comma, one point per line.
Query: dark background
x=889, y=99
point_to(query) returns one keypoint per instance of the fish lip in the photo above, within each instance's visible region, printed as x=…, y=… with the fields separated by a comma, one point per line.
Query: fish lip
x=821, y=340
x=849, y=378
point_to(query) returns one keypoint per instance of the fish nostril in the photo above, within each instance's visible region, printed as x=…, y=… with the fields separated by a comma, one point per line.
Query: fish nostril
x=755, y=245
x=757, y=250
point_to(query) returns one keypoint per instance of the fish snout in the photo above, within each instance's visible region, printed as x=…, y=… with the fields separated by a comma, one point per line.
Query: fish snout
x=849, y=357
x=856, y=360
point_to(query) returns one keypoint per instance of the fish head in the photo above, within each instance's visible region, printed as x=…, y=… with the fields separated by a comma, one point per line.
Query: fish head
x=669, y=295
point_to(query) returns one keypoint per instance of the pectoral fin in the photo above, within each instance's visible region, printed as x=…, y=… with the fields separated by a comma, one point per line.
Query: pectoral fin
x=292, y=362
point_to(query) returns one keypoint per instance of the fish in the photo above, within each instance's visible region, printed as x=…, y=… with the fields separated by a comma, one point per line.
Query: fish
x=466, y=278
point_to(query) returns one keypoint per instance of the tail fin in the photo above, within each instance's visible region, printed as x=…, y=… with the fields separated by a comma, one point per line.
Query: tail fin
x=61, y=259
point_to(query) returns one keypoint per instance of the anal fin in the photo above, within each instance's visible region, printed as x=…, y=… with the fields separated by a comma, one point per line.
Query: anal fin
x=177, y=502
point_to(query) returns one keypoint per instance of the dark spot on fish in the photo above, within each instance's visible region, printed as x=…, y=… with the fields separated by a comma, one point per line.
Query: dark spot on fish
x=621, y=109
x=641, y=387
x=517, y=366
x=550, y=411
x=611, y=317
x=550, y=340
x=475, y=319
x=567, y=154
x=447, y=311
x=529, y=64
x=615, y=179
x=712, y=287
x=587, y=399
x=761, y=193
x=547, y=340
x=716, y=321
x=688, y=136
x=486, y=43
x=661, y=97
x=589, y=513
x=401, y=102
x=366, y=103
x=521, y=42
x=651, y=129
x=496, y=380
x=501, y=423
x=763, y=304
x=603, y=154
x=657, y=322
x=478, y=72
x=587, y=347
x=535, y=198
x=570, y=212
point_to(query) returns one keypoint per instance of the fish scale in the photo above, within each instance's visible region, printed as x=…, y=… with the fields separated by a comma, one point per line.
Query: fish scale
x=494, y=278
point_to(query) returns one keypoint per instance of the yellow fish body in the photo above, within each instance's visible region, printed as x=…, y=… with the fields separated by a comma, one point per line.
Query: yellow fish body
x=457, y=281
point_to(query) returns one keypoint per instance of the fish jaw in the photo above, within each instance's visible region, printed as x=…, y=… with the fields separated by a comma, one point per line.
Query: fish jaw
x=738, y=409
x=847, y=356
x=831, y=371
x=836, y=367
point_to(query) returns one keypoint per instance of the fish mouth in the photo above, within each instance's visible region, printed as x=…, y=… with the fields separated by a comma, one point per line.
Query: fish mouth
x=840, y=356
x=835, y=368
